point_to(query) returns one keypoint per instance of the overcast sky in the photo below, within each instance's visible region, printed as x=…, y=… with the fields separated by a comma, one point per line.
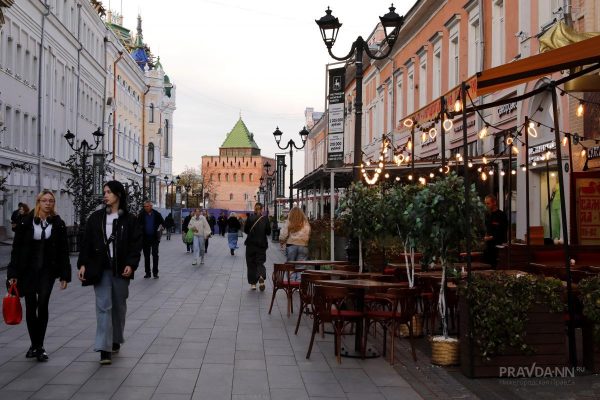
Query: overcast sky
x=263, y=58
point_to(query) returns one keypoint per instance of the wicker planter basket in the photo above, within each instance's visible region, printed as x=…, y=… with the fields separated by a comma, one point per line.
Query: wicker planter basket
x=444, y=352
x=417, y=326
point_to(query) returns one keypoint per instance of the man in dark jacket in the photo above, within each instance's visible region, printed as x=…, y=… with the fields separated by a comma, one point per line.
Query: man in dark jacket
x=257, y=228
x=152, y=224
x=212, y=221
x=222, y=222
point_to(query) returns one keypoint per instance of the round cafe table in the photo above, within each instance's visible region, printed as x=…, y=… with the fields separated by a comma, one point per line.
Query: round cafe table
x=316, y=264
x=361, y=287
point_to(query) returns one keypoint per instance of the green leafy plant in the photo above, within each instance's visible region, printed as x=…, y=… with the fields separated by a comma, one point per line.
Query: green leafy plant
x=590, y=297
x=361, y=209
x=499, y=305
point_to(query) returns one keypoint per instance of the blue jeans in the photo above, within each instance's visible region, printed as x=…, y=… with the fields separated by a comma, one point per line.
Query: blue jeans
x=111, y=308
x=198, y=246
x=232, y=239
x=296, y=253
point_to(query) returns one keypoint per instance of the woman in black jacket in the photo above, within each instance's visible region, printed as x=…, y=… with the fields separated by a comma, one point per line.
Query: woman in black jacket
x=109, y=255
x=40, y=254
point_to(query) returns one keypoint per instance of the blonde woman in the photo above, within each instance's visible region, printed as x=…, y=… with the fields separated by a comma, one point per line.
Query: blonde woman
x=199, y=225
x=295, y=234
x=40, y=254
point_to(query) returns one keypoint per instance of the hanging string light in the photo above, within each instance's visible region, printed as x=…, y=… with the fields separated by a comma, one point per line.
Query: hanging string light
x=565, y=140
x=448, y=124
x=483, y=132
x=531, y=130
x=408, y=123
x=433, y=133
x=458, y=105
x=483, y=176
x=580, y=109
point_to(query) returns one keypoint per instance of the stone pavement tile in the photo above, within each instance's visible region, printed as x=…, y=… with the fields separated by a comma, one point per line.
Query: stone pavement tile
x=399, y=393
x=91, y=396
x=77, y=373
x=251, y=397
x=171, y=396
x=201, y=335
x=157, y=358
x=280, y=360
x=133, y=393
x=13, y=369
x=249, y=355
x=250, y=364
x=250, y=382
x=355, y=381
x=365, y=396
x=214, y=382
x=53, y=392
x=178, y=381
x=15, y=395
x=146, y=375
x=289, y=394
x=219, y=358
x=33, y=379
x=102, y=386
x=315, y=377
x=285, y=377
x=325, y=390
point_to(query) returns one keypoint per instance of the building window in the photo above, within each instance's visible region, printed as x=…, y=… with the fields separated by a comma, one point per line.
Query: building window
x=399, y=99
x=151, y=113
x=230, y=196
x=150, y=153
x=167, y=137
x=235, y=177
x=242, y=177
x=453, y=58
x=219, y=177
x=423, y=79
x=474, y=43
x=498, y=33
x=410, y=96
x=250, y=177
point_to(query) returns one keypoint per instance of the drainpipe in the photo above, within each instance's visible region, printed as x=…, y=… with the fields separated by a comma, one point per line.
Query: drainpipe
x=481, y=36
x=40, y=85
x=78, y=68
x=114, y=141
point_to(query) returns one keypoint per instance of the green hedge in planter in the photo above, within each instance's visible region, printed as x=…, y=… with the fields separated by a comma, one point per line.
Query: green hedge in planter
x=590, y=297
x=499, y=305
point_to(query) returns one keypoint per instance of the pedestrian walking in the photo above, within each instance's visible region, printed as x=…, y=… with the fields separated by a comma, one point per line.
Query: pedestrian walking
x=212, y=221
x=184, y=229
x=169, y=225
x=295, y=234
x=19, y=213
x=222, y=222
x=258, y=229
x=205, y=213
x=152, y=224
x=199, y=225
x=233, y=227
x=109, y=256
x=40, y=254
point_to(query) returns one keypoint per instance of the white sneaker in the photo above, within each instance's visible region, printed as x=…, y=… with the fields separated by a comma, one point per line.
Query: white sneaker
x=194, y=262
x=202, y=260
x=253, y=287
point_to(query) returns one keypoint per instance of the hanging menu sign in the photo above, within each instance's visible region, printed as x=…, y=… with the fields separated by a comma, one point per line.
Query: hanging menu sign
x=588, y=210
x=335, y=137
x=98, y=173
x=280, y=183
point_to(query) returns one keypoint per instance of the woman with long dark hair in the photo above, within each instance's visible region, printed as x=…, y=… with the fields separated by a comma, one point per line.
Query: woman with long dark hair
x=40, y=254
x=109, y=256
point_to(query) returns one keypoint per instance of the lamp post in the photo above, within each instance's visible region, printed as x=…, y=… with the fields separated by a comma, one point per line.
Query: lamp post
x=83, y=150
x=291, y=145
x=270, y=177
x=329, y=26
x=187, y=187
x=143, y=171
x=171, y=184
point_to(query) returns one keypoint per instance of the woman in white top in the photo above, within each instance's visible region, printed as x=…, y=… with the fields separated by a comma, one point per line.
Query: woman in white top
x=199, y=225
x=295, y=235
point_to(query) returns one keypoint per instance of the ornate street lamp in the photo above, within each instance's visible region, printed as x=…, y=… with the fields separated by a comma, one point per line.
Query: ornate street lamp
x=188, y=188
x=329, y=26
x=171, y=184
x=143, y=171
x=291, y=145
x=83, y=150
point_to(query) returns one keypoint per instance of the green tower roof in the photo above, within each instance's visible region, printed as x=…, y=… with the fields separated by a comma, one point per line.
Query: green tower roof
x=239, y=137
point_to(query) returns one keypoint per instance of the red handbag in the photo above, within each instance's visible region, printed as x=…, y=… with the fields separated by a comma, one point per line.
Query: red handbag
x=11, y=306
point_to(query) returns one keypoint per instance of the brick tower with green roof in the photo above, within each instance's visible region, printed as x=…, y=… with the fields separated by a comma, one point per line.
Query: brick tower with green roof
x=233, y=177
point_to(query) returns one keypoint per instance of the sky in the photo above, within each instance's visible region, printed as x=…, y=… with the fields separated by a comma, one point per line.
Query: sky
x=264, y=59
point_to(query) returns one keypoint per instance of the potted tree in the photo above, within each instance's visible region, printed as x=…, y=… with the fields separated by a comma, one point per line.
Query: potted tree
x=361, y=211
x=589, y=289
x=440, y=225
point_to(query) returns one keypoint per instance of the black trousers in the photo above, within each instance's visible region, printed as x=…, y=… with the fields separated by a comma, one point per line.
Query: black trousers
x=151, y=244
x=255, y=262
x=205, y=245
x=490, y=254
x=37, y=298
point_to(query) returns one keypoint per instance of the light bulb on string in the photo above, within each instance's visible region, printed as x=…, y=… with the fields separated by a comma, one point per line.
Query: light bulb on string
x=448, y=124
x=457, y=105
x=513, y=172
x=457, y=156
x=363, y=170
x=483, y=176
x=479, y=169
x=470, y=164
x=523, y=168
x=408, y=123
x=565, y=141
x=580, y=109
x=583, y=153
x=533, y=164
x=387, y=175
x=410, y=177
x=409, y=144
x=380, y=158
x=491, y=172
x=509, y=140
x=548, y=155
x=431, y=175
x=483, y=132
x=380, y=165
x=433, y=133
x=515, y=149
x=552, y=174
x=531, y=130
x=397, y=179
x=484, y=160
x=502, y=173
x=378, y=170
x=441, y=169
x=368, y=163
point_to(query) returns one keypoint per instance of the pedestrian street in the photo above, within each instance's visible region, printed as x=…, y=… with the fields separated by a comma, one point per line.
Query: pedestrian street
x=197, y=332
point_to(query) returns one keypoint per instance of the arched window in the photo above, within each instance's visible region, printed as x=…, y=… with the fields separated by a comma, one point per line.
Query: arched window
x=255, y=163
x=151, y=113
x=250, y=177
x=235, y=177
x=215, y=163
x=242, y=177
x=167, y=137
x=226, y=177
x=219, y=177
x=230, y=196
x=150, y=152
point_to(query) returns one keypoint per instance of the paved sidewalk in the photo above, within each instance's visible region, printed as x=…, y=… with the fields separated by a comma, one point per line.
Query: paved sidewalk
x=198, y=332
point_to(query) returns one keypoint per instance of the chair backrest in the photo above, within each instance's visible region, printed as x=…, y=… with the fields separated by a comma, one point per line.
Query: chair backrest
x=281, y=273
x=326, y=298
x=307, y=285
x=406, y=301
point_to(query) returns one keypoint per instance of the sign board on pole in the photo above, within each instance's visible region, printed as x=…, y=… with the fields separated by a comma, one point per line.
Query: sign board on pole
x=335, y=137
x=280, y=183
x=98, y=173
x=152, y=188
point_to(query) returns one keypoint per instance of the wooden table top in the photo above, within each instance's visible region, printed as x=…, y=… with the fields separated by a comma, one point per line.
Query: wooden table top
x=337, y=272
x=364, y=284
x=317, y=262
x=459, y=265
